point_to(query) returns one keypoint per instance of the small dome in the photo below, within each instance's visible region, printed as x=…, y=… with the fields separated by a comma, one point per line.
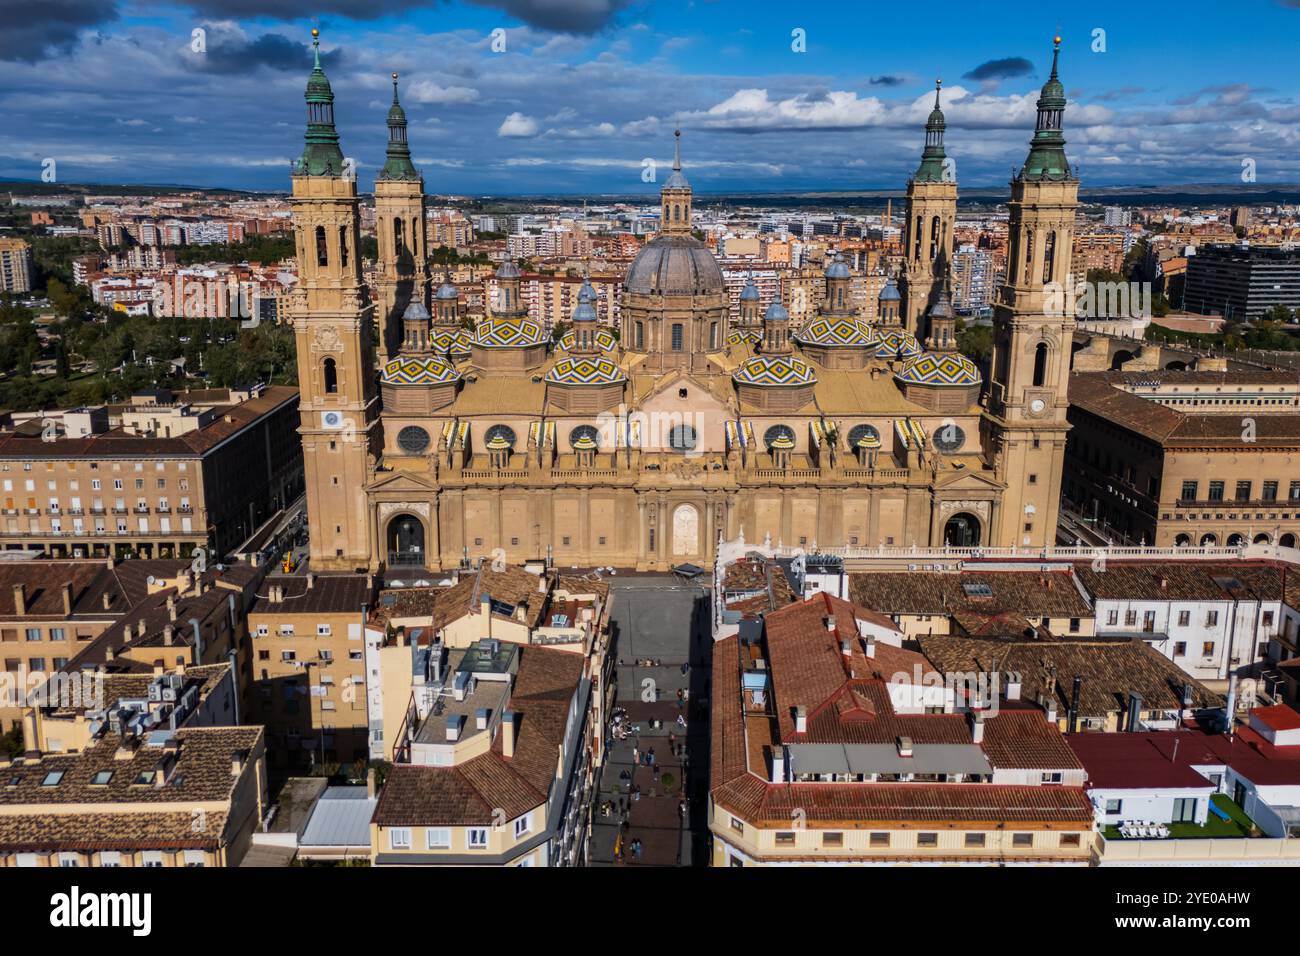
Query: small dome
x=774, y=371
x=418, y=371
x=674, y=265
x=834, y=332
x=890, y=292
x=776, y=313
x=447, y=291
x=897, y=344
x=508, y=269
x=508, y=333
x=585, y=371
x=415, y=312
x=586, y=293
x=583, y=312
x=838, y=269
x=750, y=292
x=951, y=368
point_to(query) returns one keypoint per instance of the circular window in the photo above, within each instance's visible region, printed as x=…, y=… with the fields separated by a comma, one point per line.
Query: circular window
x=413, y=439
x=949, y=438
x=864, y=436
x=780, y=437
x=498, y=437
x=682, y=438
x=584, y=438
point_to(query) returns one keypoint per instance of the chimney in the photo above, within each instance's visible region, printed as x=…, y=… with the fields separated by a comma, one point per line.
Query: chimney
x=370, y=783
x=171, y=607
x=1134, y=712
x=107, y=600
x=109, y=653
x=778, y=764
x=140, y=628
x=453, y=727
x=905, y=746
x=111, y=563
x=829, y=622
x=481, y=718
x=1050, y=710
x=67, y=600
x=311, y=580
x=1073, y=724
x=237, y=762
x=1013, y=685
x=158, y=668
x=846, y=648
x=801, y=719
x=20, y=599
x=541, y=584
x=509, y=732
x=169, y=635
x=976, y=728
x=31, y=739
x=869, y=645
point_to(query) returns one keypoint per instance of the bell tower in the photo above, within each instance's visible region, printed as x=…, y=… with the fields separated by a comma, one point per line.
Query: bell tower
x=1032, y=332
x=675, y=197
x=931, y=217
x=332, y=323
x=402, y=274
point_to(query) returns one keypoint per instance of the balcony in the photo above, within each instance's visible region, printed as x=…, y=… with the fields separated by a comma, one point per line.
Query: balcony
x=407, y=559
x=140, y=511
x=184, y=510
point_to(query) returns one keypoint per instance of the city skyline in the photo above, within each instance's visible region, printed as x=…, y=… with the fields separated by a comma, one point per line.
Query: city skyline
x=145, y=106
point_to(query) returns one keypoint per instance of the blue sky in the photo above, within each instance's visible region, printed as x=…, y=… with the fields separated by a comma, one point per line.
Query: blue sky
x=586, y=90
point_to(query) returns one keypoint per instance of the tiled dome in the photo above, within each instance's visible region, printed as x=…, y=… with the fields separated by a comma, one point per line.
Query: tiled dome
x=836, y=333
x=774, y=371
x=585, y=371
x=418, y=371
x=897, y=344
x=508, y=333
x=951, y=368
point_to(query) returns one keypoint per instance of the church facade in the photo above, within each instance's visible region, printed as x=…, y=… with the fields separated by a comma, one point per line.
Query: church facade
x=643, y=448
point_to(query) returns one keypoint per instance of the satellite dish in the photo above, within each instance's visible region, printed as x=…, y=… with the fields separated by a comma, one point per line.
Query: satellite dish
x=152, y=580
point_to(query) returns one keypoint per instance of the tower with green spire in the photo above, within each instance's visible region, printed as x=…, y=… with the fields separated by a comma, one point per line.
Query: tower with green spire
x=1032, y=335
x=401, y=270
x=931, y=218
x=338, y=403
x=321, y=155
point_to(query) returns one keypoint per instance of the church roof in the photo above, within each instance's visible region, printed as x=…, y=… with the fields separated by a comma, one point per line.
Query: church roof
x=736, y=336
x=896, y=344
x=837, y=332
x=508, y=333
x=676, y=265
x=775, y=371
x=585, y=371
x=605, y=340
x=455, y=341
x=951, y=368
x=413, y=370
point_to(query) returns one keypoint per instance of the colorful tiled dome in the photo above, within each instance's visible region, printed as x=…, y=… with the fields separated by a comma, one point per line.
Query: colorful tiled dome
x=829, y=331
x=455, y=342
x=605, y=340
x=585, y=371
x=418, y=371
x=774, y=371
x=951, y=368
x=508, y=333
x=736, y=336
x=897, y=344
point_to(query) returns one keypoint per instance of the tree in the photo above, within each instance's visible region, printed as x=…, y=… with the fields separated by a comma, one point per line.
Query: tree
x=976, y=342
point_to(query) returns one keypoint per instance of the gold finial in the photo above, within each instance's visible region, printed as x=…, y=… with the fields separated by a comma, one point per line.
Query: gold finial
x=315, y=33
x=938, y=82
x=394, y=76
x=1058, y=39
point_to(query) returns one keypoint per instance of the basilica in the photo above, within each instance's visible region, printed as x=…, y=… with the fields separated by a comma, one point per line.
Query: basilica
x=643, y=446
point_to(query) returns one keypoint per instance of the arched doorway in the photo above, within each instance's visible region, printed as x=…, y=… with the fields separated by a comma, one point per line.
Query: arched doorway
x=686, y=530
x=1236, y=540
x=1262, y=539
x=1209, y=540
x=1286, y=541
x=1182, y=541
x=962, y=531
x=406, y=540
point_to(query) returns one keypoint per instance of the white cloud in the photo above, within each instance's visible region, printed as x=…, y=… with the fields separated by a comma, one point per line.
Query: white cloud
x=518, y=125
x=426, y=91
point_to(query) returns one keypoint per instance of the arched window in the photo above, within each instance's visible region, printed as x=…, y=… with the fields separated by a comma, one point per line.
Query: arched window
x=934, y=237
x=1040, y=364
x=713, y=335
x=1049, y=256
x=639, y=335
x=331, y=375
x=397, y=238
x=322, y=248
x=343, y=245
x=1029, y=255
x=916, y=239
x=682, y=438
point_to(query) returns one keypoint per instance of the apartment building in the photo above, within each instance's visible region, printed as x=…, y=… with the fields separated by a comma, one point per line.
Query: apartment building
x=51, y=611
x=190, y=797
x=160, y=476
x=15, y=265
x=834, y=748
x=491, y=697
x=308, y=668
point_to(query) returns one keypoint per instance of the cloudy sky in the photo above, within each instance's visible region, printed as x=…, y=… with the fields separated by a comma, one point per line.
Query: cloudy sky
x=572, y=96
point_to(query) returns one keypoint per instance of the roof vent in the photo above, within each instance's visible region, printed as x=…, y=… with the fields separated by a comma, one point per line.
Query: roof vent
x=905, y=746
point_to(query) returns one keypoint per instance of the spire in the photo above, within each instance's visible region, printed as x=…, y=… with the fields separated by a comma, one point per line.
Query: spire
x=677, y=180
x=321, y=155
x=933, y=156
x=1047, y=149
x=398, y=164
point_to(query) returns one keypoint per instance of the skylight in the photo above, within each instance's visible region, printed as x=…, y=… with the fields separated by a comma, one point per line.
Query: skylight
x=52, y=778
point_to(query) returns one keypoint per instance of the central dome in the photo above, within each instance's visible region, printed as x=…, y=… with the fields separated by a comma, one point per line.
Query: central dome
x=674, y=265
